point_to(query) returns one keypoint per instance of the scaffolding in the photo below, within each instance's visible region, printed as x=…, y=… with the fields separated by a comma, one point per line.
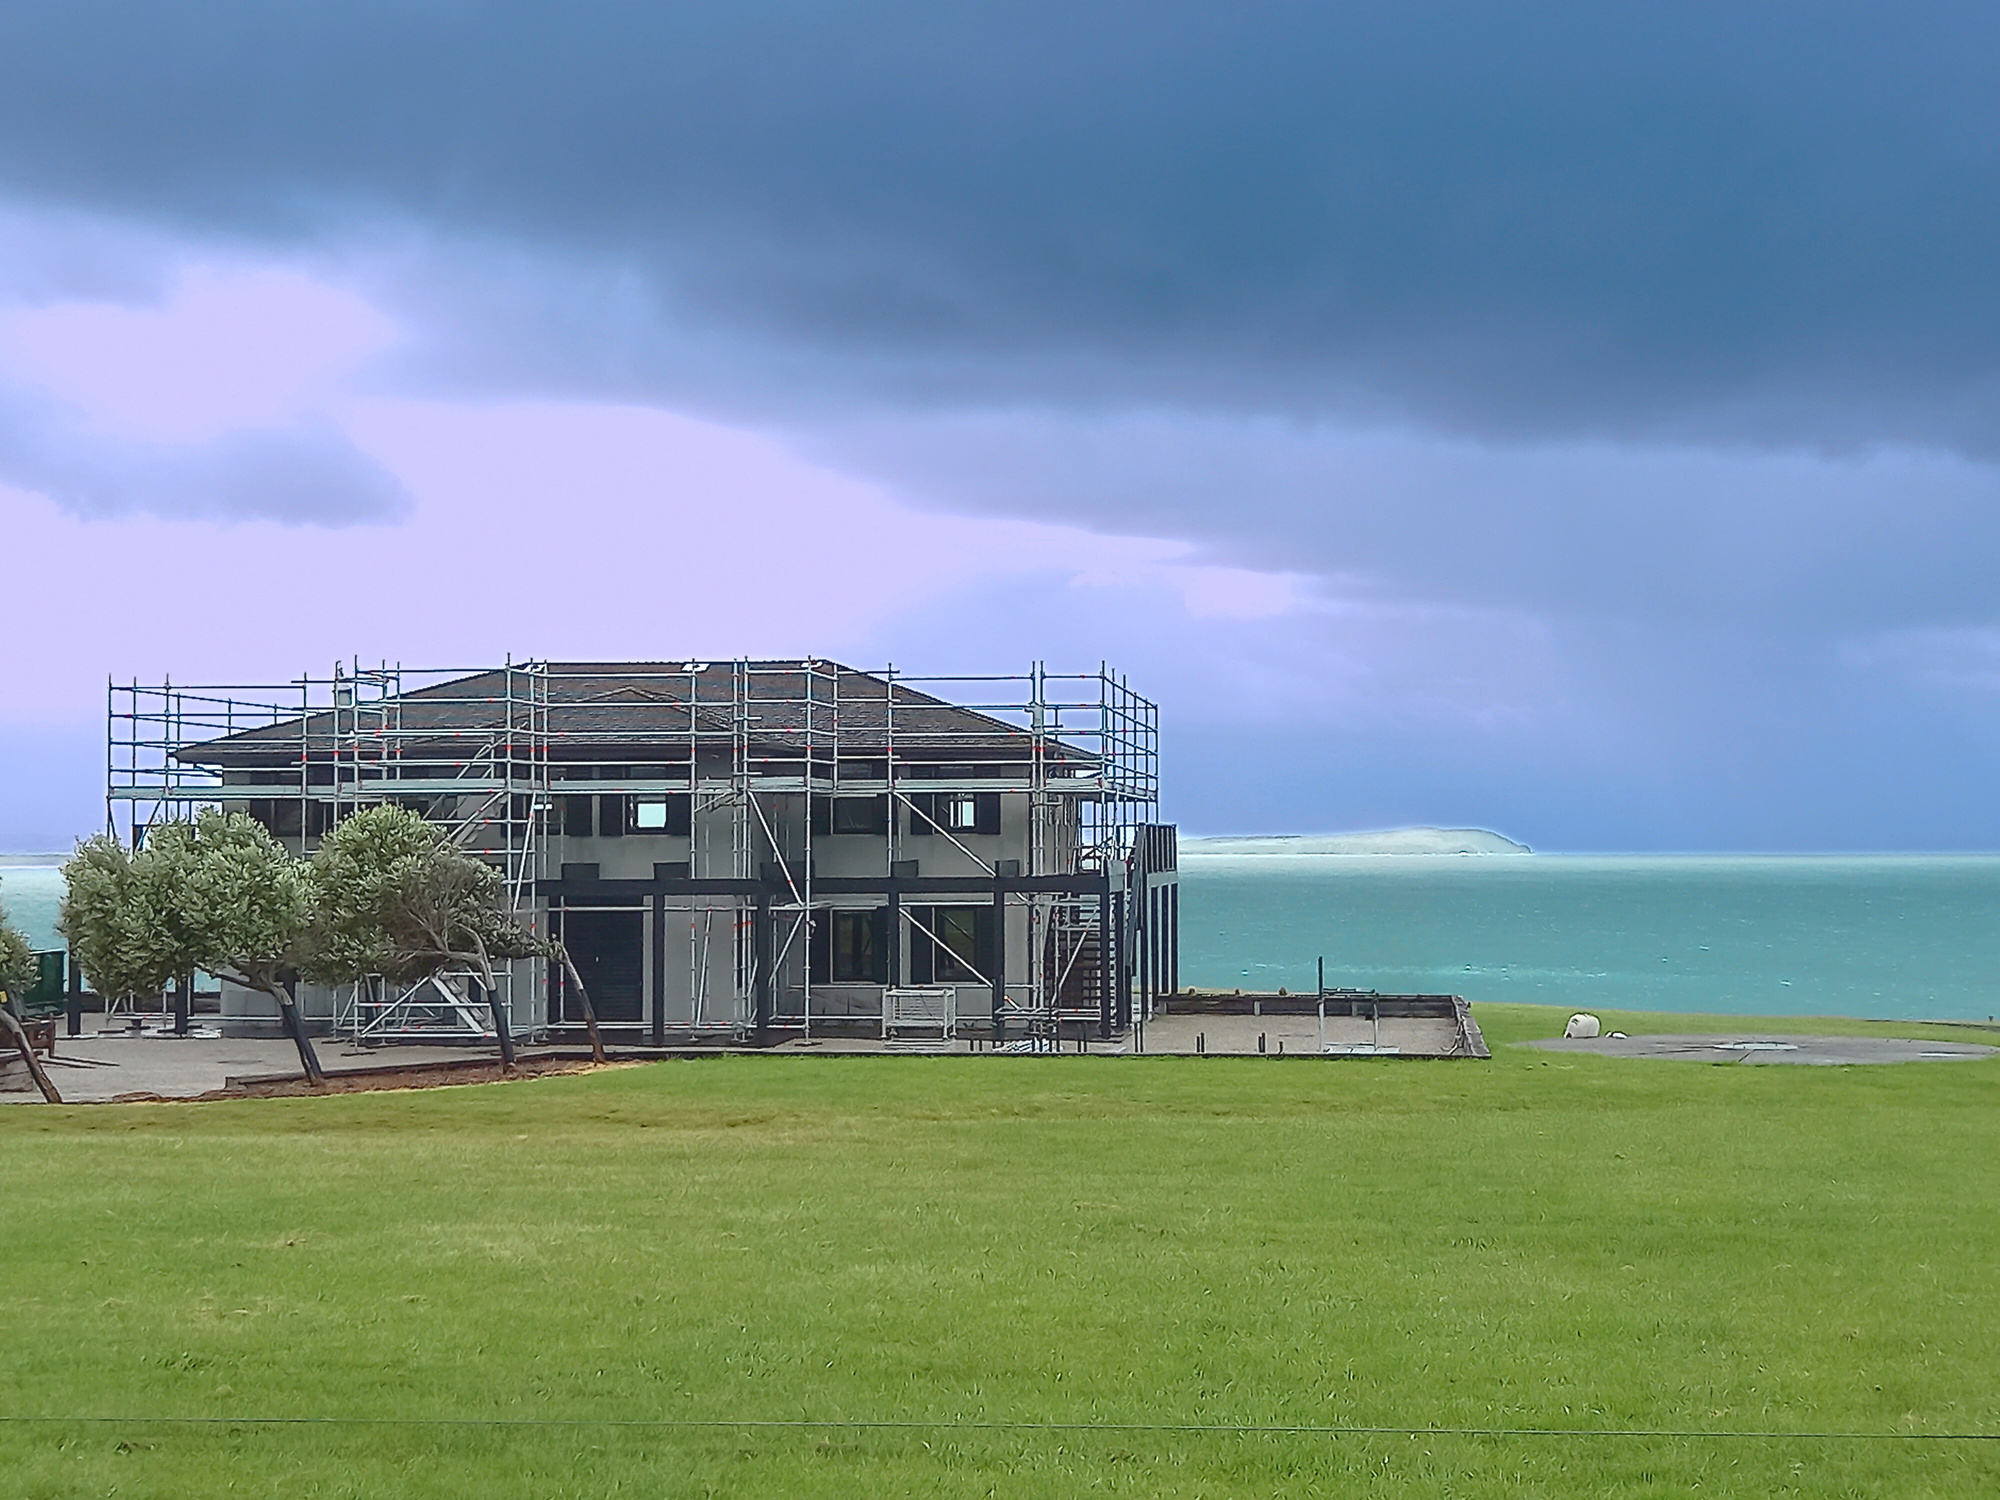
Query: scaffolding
x=334, y=744
x=767, y=755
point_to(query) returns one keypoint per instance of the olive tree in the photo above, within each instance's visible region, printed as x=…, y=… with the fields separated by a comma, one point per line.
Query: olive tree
x=17, y=973
x=399, y=899
x=112, y=919
x=17, y=959
x=218, y=894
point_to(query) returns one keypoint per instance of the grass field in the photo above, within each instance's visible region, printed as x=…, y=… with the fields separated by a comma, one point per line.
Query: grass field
x=1682, y=1259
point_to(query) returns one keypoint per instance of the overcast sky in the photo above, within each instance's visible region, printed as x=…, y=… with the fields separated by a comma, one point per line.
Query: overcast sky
x=1579, y=420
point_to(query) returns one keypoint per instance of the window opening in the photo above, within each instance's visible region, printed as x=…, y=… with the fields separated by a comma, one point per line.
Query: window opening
x=851, y=947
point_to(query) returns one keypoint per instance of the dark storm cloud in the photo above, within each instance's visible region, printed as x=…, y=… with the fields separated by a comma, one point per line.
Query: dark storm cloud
x=1702, y=222
x=1764, y=541
x=1591, y=361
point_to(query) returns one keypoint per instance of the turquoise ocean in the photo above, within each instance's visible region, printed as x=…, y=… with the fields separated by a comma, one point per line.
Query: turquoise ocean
x=1892, y=936
x=1900, y=937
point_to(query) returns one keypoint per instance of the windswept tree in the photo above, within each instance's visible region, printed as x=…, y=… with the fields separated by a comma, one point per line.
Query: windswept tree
x=218, y=894
x=113, y=921
x=18, y=973
x=17, y=959
x=399, y=899
x=387, y=894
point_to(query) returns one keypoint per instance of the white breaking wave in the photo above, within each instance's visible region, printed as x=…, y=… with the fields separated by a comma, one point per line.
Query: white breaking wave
x=1389, y=841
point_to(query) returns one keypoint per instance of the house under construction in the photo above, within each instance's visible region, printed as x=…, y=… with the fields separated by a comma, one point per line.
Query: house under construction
x=729, y=850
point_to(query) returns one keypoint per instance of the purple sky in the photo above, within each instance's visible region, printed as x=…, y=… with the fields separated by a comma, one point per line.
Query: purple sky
x=1571, y=420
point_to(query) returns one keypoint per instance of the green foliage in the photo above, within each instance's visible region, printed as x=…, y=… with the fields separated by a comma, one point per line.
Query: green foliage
x=245, y=906
x=387, y=894
x=115, y=917
x=218, y=894
x=17, y=959
x=398, y=898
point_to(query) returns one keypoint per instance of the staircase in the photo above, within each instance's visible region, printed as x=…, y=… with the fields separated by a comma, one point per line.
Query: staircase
x=1073, y=961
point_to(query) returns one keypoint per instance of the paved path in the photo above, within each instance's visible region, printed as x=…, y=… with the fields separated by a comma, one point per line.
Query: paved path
x=1745, y=1047
x=92, y=1069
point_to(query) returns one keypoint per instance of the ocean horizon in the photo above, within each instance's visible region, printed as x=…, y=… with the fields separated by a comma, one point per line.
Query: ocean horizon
x=1891, y=936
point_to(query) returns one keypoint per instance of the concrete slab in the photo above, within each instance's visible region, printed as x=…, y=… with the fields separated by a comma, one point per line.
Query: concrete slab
x=1295, y=1036
x=97, y=1069
x=1747, y=1047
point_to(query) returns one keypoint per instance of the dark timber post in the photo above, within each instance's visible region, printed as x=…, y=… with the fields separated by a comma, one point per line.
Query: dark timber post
x=760, y=940
x=659, y=968
x=1125, y=915
x=999, y=965
x=1107, y=960
x=1146, y=930
x=893, y=966
x=75, y=996
x=1128, y=967
x=183, y=1002
x=557, y=987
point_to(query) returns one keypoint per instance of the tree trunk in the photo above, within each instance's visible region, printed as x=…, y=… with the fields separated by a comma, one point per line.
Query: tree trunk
x=20, y=1039
x=589, y=1010
x=295, y=1028
x=500, y=1027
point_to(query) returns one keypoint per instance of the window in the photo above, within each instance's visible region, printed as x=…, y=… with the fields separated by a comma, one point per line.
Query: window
x=851, y=815
x=280, y=816
x=850, y=947
x=963, y=950
x=860, y=814
x=611, y=815
x=668, y=814
x=956, y=813
x=968, y=812
x=577, y=822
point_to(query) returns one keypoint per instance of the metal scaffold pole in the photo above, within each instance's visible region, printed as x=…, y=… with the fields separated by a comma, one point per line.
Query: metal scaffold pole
x=801, y=817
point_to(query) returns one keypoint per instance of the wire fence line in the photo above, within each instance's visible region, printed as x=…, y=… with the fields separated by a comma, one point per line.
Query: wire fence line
x=1193, y=1429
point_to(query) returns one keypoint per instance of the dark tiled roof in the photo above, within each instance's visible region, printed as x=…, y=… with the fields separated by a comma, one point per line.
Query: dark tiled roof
x=621, y=710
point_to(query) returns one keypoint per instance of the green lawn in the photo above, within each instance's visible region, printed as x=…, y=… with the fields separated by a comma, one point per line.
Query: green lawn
x=1543, y=1241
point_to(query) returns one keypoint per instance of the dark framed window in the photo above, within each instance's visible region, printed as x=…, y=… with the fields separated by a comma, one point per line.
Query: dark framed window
x=281, y=816
x=967, y=812
x=612, y=815
x=832, y=815
x=670, y=814
x=577, y=819
x=850, y=947
x=962, y=950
